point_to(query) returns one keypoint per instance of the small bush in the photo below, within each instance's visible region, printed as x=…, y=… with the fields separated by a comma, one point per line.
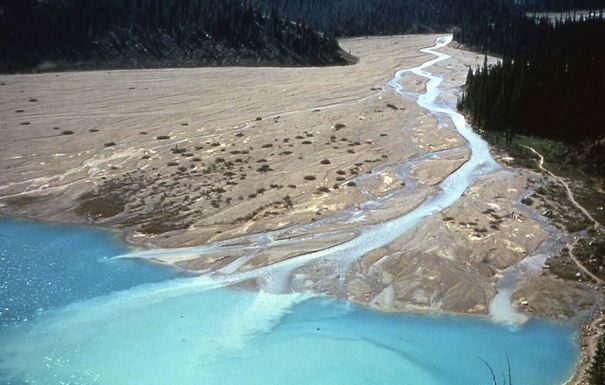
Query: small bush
x=527, y=201
x=264, y=168
x=310, y=177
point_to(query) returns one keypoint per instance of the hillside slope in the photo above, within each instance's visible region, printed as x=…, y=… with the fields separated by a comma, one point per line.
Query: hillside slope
x=70, y=34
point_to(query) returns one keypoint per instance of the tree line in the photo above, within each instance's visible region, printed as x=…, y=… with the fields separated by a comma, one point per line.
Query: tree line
x=548, y=83
x=385, y=17
x=559, y=5
x=131, y=33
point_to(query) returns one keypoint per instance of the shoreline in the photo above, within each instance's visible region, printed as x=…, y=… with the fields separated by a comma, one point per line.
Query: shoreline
x=588, y=335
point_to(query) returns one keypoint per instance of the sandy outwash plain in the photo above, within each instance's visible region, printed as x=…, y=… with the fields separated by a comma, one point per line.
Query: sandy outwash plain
x=183, y=157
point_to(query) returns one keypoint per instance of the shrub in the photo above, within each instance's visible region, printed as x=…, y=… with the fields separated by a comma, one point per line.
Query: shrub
x=325, y=161
x=162, y=137
x=310, y=177
x=264, y=168
x=67, y=132
x=527, y=201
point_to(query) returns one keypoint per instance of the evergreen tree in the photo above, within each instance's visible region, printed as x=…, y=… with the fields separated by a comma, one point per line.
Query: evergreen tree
x=597, y=368
x=130, y=33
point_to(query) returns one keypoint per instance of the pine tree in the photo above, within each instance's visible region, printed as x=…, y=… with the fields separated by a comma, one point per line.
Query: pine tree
x=597, y=368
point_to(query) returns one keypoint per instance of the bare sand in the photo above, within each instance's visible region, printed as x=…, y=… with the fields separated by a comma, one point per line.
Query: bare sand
x=207, y=153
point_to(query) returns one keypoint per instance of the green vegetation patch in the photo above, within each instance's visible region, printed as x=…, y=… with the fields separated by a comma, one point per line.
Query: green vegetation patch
x=100, y=205
x=562, y=266
x=590, y=250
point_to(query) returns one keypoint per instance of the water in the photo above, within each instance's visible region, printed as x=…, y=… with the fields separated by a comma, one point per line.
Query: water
x=43, y=266
x=189, y=331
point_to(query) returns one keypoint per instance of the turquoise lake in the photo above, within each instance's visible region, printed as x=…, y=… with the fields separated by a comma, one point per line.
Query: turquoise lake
x=71, y=315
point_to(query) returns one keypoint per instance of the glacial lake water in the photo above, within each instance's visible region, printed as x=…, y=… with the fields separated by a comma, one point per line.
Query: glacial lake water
x=71, y=315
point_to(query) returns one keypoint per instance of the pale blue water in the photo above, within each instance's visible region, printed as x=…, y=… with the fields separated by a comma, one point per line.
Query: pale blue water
x=187, y=331
x=45, y=265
